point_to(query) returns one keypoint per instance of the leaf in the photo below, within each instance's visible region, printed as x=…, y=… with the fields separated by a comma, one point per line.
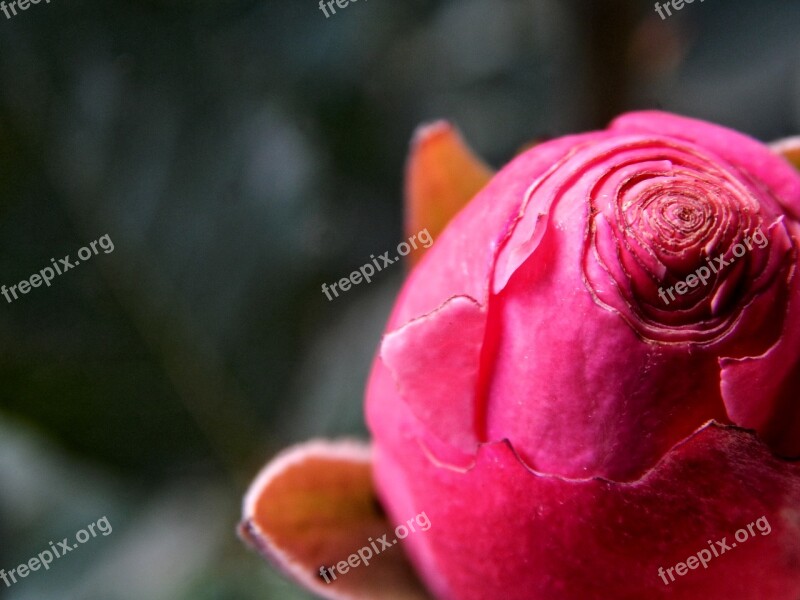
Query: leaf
x=442, y=176
x=789, y=148
x=315, y=506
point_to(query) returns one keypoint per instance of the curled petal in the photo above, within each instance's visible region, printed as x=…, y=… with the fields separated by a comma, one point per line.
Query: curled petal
x=750, y=155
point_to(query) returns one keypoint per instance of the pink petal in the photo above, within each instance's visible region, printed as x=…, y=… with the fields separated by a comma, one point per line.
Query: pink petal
x=761, y=392
x=502, y=531
x=435, y=361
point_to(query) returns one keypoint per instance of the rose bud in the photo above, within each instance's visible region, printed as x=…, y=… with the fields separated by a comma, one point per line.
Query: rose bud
x=589, y=382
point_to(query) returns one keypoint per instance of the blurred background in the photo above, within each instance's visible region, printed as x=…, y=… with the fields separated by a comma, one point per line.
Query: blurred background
x=239, y=154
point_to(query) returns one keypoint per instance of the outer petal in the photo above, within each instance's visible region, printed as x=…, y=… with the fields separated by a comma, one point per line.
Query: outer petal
x=314, y=506
x=502, y=531
x=435, y=361
x=773, y=378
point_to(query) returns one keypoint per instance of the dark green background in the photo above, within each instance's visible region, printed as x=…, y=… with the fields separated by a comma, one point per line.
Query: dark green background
x=240, y=154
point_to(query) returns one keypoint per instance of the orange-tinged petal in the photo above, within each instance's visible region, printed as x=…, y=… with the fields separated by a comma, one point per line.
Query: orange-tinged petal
x=442, y=175
x=314, y=505
x=789, y=148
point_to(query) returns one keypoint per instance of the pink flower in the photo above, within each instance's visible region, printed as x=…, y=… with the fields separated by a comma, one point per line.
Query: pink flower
x=595, y=371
